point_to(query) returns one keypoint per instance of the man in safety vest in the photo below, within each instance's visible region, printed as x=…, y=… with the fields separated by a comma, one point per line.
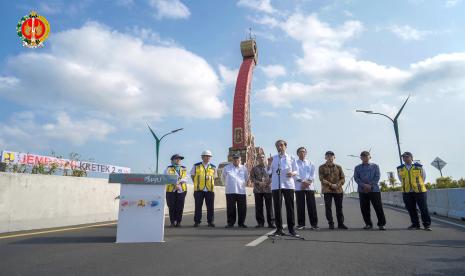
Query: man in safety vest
x=203, y=175
x=412, y=175
x=176, y=192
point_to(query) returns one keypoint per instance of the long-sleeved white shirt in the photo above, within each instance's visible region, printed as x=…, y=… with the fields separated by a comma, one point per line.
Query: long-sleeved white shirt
x=306, y=171
x=235, y=179
x=285, y=163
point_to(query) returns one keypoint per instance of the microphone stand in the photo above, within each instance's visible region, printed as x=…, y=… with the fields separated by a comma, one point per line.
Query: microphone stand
x=280, y=203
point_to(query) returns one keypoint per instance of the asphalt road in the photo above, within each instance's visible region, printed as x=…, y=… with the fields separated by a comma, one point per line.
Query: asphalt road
x=219, y=251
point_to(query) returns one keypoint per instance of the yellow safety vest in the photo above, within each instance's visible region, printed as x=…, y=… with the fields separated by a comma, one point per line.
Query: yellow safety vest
x=412, y=179
x=172, y=171
x=204, y=177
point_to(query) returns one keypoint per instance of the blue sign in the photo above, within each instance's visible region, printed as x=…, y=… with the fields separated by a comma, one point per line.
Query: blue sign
x=142, y=179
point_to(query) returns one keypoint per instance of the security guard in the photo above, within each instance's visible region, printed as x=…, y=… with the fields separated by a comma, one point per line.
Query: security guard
x=176, y=192
x=412, y=175
x=203, y=175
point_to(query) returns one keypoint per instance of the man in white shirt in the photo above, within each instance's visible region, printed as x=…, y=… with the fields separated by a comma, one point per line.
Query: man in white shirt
x=235, y=177
x=283, y=168
x=305, y=190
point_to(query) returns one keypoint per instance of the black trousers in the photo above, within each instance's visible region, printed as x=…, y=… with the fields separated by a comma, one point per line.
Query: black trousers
x=375, y=199
x=199, y=197
x=288, y=195
x=259, y=198
x=302, y=197
x=411, y=201
x=338, y=202
x=175, y=202
x=233, y=200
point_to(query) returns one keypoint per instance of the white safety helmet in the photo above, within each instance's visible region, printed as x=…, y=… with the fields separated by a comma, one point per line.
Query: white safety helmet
x=206, y=153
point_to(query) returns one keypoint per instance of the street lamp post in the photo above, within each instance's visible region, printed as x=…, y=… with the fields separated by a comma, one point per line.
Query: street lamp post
x=158, y=141
x=394, y=121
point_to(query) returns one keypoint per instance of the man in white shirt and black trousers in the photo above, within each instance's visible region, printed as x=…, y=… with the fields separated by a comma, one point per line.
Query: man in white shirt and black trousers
x=283, y=168
x=235, y=177
x=305, y=191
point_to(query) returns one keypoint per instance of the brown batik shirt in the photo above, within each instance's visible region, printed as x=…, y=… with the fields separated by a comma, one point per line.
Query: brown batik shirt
x=261, y=179
x=331, y=174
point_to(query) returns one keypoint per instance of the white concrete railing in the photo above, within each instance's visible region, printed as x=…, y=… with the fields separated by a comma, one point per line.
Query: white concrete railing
x=444, y=202
x=29, y=201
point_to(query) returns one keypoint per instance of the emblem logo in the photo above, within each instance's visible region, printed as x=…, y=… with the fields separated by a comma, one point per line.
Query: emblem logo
x=33, y=29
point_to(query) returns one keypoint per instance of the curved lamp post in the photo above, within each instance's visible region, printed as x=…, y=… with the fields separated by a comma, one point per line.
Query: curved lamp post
x=158, y=141
x=394, y=121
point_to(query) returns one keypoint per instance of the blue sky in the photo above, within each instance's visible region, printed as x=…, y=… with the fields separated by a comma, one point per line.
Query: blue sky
x=110, y=66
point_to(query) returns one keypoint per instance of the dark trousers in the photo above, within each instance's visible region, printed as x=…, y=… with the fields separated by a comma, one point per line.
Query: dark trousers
x=338, y=202
x=209, y=197
x=288, y=195
x=175, y=202
x=411, y=201
x=375, y=199
x=259, y=198
x=231, y=201
x=309, y=197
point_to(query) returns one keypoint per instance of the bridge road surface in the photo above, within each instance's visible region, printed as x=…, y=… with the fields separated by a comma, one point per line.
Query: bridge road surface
x=220, y=251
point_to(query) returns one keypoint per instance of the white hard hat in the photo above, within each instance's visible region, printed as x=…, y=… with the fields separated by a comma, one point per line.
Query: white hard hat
x=206, y=153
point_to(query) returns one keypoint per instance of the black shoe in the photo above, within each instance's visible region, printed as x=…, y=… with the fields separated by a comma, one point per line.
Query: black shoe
x=279, y=233
x=294, y=234
x=382, y=228
x=177, y=224
x=172, y=225
x=414, y=227
x=229, y=226
x=428, y=228
x=342, y=226
x=315, y=227
x=259, y=226
x=211, y=225
x=331, y=226
x=271, y=225
x=300, y=227
x=368, y=227
x=196, y=224
x=242, y=226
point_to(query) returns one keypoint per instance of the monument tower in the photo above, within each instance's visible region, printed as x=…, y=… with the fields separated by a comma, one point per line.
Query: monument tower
x=242, y=138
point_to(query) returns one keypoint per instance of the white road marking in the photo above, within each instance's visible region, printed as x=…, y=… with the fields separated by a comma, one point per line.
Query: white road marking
x=263, y=238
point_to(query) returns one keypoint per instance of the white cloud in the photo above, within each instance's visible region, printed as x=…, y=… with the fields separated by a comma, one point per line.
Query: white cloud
x=150, y=36
x=76, y=131
x=337, y=72
x=269, y=114
x=306, y=114
x=25, y=129
x=327, y=58
x=114, y=74
x=125, y=3
x=348, y=14
x=273, y=71
x=439, y=76
x=259, y=5
x=407, y=32
x=228, y=76
x=169, y=9
x=452, y=3
x=50, y=8
x=267, y=20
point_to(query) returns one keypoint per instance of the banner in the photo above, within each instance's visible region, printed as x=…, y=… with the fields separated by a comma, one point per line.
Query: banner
x=64, y=164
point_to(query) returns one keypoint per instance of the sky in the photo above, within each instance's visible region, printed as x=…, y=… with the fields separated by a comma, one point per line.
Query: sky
x=110, y=67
